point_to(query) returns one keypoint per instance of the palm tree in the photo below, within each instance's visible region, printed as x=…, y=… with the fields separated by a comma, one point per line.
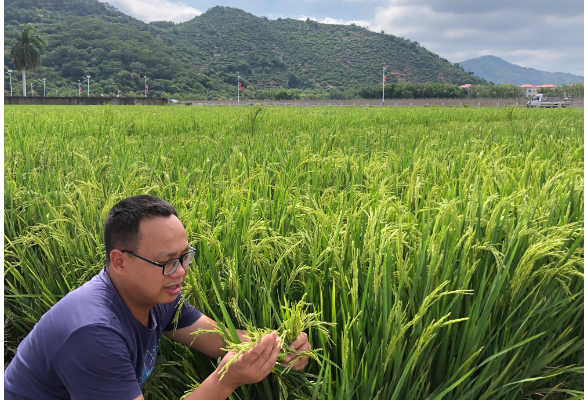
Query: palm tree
x=26, y=52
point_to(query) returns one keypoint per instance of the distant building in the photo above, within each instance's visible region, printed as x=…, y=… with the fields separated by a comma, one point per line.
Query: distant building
x=530, y=90
x=467, y=85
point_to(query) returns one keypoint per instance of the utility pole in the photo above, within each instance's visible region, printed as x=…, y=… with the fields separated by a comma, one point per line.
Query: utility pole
x=32, y=91
x=79, y=88
x=88, y=78
x=238, y=89
x=383, y=84
x=10, y=75
x=43, y=80
x=145, y=85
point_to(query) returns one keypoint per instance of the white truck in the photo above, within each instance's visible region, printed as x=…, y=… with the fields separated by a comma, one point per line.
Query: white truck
x=541, y=100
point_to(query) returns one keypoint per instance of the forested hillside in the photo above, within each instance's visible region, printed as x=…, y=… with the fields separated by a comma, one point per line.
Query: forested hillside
x=202, y=57
x=293, y=53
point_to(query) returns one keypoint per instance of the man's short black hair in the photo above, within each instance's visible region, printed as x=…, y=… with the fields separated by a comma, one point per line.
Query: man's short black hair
x=121, y=228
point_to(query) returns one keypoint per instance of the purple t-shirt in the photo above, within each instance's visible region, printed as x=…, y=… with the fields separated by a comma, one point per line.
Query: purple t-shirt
x=90, y=346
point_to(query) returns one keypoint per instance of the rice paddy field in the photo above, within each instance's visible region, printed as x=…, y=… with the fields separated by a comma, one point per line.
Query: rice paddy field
x=441, y=249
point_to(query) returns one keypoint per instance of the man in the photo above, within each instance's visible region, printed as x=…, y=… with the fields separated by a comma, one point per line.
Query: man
x=101, y=340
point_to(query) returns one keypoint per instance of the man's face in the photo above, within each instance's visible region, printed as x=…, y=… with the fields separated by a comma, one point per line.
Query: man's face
x=160, y=240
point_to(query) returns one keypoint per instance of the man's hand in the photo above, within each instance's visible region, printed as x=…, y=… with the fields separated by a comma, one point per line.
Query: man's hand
x=209, y=344
x=300, y=344
x=252, y=366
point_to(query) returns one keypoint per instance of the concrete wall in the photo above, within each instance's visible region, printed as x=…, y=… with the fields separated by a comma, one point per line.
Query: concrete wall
x=85, y=101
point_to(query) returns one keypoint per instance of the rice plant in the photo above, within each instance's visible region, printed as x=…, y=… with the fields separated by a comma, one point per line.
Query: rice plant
x=295, y=322
x=440, y=251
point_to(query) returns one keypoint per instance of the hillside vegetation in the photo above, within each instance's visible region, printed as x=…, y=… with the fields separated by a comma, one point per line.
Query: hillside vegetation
x=202, y=57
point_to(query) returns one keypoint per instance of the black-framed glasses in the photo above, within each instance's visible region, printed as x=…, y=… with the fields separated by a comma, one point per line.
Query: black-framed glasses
x=172, y=265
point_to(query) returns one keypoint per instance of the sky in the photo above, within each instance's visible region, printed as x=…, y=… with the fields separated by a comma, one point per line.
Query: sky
x=540, y=34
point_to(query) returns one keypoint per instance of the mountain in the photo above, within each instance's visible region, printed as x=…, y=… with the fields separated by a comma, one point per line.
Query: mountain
x=497, y=70
x=294, y=53
x=203, y=56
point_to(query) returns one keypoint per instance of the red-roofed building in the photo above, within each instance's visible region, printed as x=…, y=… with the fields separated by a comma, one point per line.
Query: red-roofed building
x=549, y=86
x=530, y=90
x=467, y=85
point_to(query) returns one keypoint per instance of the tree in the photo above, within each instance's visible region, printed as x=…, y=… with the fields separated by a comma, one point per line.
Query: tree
x=26, y=52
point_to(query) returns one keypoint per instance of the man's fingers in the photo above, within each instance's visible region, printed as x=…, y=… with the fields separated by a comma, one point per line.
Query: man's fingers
x=300, y=344
x=269, y=364
x=300, y=364
x=256, y=351
x=304, y=347
x=267, y=345
x=262, y=357
x=300, y=340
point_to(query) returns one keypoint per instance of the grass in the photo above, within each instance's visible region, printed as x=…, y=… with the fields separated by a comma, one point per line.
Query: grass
x=444, y=247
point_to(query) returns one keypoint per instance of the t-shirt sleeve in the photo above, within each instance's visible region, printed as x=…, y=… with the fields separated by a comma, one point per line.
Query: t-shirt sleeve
x=95, y=363
x=188, y=315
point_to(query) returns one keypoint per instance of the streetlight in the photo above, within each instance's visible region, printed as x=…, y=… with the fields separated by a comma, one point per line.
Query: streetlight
x=383, y=83
x=145, y=85
x=238, y=88
x=79, y=88
x=88, y=78
x=43, y=80
x=10, y=75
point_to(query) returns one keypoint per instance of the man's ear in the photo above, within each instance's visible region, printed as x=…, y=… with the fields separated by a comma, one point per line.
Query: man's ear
x=117, y=262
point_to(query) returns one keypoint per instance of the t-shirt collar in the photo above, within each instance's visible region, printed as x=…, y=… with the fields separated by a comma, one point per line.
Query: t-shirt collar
x=106, y=279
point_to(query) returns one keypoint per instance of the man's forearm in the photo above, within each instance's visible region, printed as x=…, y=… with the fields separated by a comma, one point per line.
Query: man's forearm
x=211, y=389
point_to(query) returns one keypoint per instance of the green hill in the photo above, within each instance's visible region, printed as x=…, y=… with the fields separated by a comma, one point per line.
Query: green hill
x=497, y=70
x=203, y=56
x=293, y=53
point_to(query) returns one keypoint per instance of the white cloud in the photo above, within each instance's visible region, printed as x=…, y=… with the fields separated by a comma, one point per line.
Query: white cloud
x=545, y=41
x=539, y=34
x=156, y=10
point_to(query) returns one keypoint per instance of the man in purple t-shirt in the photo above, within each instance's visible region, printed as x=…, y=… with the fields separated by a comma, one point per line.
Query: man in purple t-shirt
x=101, y=340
